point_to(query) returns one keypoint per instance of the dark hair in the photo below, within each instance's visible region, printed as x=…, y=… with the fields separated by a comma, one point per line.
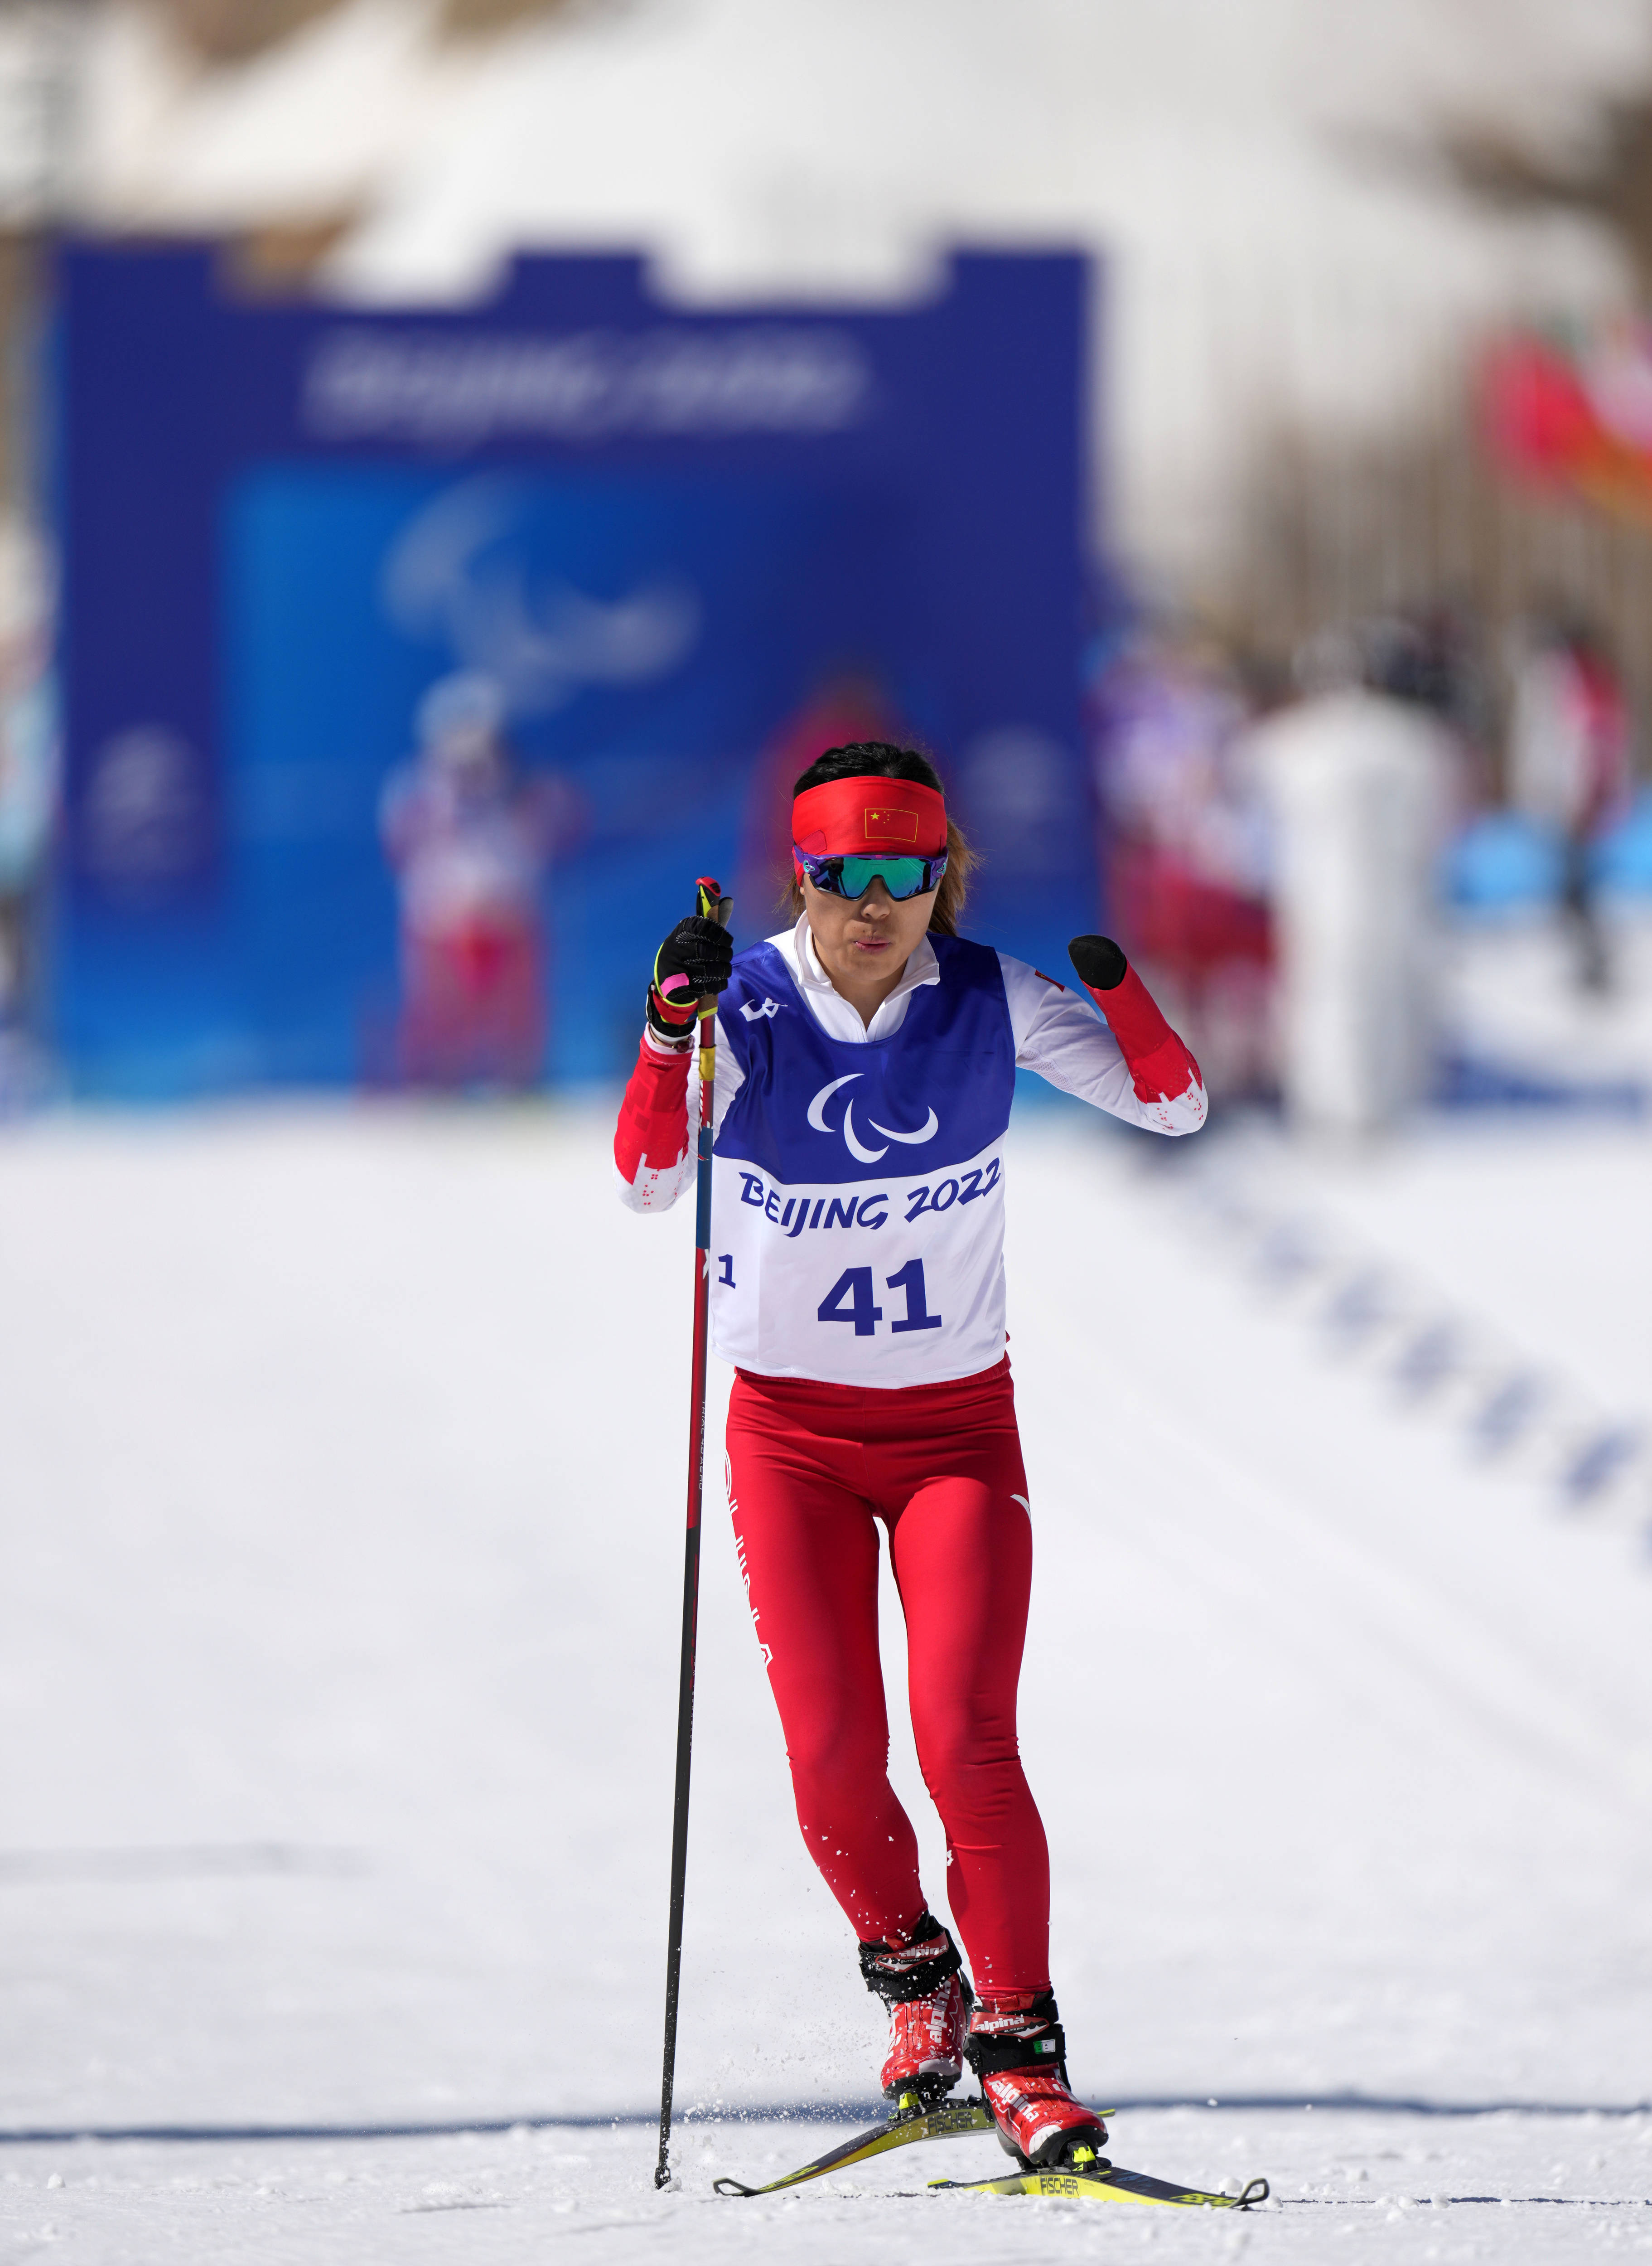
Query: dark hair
x=880, y=759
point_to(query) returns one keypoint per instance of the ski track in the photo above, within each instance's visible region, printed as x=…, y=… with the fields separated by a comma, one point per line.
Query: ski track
x=1499, y=2188
x=343, y=1451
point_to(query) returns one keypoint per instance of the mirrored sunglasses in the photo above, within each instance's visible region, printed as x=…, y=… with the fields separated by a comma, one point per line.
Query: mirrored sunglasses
x=853, y=876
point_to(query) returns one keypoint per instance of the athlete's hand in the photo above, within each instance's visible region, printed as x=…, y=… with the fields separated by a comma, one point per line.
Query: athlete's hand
x=1159, y=1064
x=1101, y=966
x=696, y=959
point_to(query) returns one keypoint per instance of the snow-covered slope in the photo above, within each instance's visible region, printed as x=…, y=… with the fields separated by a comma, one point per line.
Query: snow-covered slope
x=342, y=1458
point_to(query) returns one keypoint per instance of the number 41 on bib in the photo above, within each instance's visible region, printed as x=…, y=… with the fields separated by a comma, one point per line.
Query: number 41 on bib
x=851, y=1299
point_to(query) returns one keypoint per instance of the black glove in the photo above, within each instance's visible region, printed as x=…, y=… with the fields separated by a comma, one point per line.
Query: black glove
x=1099, y=962
x=696, y=958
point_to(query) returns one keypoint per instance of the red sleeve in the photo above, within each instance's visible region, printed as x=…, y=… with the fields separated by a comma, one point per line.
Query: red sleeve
x=1160, y=1066
x=653, y=1128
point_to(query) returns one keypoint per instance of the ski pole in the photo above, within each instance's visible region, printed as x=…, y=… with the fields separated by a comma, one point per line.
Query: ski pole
x=710, y=904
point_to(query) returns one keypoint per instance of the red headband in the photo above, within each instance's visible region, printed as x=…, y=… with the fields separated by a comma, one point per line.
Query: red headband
x=869, y=818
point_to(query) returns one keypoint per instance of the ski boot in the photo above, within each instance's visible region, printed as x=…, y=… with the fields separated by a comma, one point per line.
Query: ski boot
x=1018, y=2051
x=923, y=1984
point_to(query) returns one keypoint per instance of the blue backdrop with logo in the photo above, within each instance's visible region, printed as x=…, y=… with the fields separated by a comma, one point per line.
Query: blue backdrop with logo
x=677, y=543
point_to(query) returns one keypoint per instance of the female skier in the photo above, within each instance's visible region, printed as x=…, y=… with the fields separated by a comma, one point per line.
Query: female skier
x=865, y=1066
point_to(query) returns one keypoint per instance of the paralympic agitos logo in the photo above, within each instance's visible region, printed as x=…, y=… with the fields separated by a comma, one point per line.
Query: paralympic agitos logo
x=852, y=1142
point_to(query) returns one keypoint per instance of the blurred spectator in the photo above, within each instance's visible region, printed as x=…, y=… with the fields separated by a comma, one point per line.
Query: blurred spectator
x=1185, y=849
x=1360, y=783
x=1570, y=749
x=470, y=845
x=1434, y=657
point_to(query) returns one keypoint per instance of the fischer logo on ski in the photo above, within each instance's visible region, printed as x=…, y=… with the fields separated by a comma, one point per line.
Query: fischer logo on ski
x=1107, y=2183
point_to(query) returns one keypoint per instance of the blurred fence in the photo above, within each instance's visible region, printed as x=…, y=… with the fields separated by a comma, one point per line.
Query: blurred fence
x=1334, y=531
x=1294, y=450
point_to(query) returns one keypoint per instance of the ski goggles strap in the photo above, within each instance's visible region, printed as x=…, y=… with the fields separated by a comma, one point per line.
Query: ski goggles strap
x=853, y=875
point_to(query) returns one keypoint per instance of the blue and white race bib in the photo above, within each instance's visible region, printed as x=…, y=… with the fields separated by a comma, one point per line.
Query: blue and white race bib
x=858, y=1220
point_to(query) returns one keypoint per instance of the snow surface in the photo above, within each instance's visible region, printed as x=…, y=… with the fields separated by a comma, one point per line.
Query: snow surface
x=343, y=1461
x=1508, y=995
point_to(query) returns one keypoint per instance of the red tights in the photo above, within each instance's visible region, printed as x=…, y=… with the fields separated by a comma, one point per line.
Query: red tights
x=812, y=1470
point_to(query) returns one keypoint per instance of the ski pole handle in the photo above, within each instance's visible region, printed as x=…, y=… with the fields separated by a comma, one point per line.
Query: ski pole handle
x=710, y=903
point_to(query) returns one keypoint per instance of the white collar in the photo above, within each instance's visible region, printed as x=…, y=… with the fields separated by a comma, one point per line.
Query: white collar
x=921, y=968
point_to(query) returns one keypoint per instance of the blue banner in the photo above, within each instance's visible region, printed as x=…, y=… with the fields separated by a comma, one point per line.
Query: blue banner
x=415, y=664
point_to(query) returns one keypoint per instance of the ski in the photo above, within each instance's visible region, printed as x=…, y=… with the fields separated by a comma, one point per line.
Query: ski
x=900, y=2132
x=1104, y=2184
x=1107, y=2183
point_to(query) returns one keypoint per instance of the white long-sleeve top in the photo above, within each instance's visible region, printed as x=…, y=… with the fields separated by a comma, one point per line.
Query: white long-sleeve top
x=1057, y=1034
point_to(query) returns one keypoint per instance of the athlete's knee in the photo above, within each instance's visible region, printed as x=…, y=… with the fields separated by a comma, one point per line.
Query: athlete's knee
x=972, y=1769
x=835, y=1762
x=841, y=1807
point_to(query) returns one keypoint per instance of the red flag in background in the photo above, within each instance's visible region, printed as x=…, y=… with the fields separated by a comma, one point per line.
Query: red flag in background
x=1575, y=413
